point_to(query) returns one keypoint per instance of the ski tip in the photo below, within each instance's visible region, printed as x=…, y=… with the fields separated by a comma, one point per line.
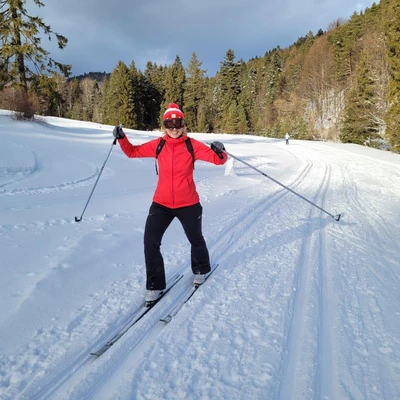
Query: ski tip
x=101, y=351
x=167, y=319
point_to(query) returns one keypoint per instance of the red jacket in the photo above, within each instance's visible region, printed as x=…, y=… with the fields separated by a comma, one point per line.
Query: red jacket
x=175, y=187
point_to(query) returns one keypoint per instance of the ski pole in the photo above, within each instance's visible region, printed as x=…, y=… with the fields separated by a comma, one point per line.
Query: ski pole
x=336, y=217
x=101, y=170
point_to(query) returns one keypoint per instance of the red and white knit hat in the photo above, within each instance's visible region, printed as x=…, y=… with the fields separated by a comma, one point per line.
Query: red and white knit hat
x=173, y=111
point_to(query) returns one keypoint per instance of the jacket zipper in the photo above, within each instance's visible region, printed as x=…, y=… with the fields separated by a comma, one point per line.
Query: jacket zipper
x=173, y=173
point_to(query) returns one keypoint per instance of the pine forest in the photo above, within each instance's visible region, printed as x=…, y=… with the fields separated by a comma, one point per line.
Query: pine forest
x=339, y=84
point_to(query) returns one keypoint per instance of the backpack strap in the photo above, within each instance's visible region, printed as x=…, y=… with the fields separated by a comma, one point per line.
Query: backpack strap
x=161, y=144
x=190, y=149
x=158, y=151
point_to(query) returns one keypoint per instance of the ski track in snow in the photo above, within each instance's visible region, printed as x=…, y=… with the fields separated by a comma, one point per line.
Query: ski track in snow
x=225, y=244
x=36, y=168
x=361, y=318
x=305, y=331
x=313, y=327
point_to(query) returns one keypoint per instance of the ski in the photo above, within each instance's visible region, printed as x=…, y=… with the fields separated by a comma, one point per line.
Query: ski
x=138, y=314
x=186, y=297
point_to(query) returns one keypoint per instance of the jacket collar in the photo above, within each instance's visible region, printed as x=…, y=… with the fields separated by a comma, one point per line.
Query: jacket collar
x=171, y=140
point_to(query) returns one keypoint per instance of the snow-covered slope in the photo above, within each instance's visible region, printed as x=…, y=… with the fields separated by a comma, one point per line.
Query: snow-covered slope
x=301, y=306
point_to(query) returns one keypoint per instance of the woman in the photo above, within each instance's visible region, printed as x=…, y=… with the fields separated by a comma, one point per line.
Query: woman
x=175, y=195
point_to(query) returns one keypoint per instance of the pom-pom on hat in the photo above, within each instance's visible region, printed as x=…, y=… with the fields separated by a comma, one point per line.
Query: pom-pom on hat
x=173, y=111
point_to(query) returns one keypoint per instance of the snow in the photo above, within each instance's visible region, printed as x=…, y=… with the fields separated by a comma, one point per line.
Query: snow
x=300, y=307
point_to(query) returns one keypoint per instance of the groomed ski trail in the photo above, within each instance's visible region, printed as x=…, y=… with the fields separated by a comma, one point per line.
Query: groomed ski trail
x=85, y=382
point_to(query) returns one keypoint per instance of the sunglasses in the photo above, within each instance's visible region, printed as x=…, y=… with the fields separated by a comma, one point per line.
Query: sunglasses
x=177, y=123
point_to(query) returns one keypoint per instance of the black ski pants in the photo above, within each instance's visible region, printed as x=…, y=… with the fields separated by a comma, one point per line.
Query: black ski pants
x=158, y=220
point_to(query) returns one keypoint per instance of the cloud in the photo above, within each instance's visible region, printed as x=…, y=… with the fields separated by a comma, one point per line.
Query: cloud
x=100, y=33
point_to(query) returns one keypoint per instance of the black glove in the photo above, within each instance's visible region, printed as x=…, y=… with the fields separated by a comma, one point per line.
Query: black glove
x=118, y=132
x=218, y=147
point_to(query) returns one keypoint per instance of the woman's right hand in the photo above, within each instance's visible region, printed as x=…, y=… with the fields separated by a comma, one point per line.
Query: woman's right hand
x=118, y=132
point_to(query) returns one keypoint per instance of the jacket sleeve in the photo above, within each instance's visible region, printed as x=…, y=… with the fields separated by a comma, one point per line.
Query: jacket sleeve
x=144, y=150
x=204, y=153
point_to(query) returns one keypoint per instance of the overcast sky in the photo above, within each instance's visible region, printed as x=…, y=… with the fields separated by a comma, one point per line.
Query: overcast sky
x=100, y=33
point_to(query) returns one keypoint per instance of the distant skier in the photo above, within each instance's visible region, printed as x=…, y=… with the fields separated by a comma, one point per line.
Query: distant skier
x=287, y=137
x=175, y=195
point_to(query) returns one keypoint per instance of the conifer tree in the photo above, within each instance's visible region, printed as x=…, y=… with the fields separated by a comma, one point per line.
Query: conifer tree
x=391, y=27
x=119, y=98
x=230, y=121
x=273, y=75
x=153, y=94
x=3, y=71
x=74, y=94
x=247, y=98
x=344, y=39
x=359, y=125
x=61, y=88
x=242, y=123
x=97, y=102
x=230, y=78
x=228, y=91
x=269, y=91
x=175, y=78
x=194, y=92
x=137, y=117
x=103, y=109
x=49, y=98
x=203, y=118
x=21, y=44
x=140, y=100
